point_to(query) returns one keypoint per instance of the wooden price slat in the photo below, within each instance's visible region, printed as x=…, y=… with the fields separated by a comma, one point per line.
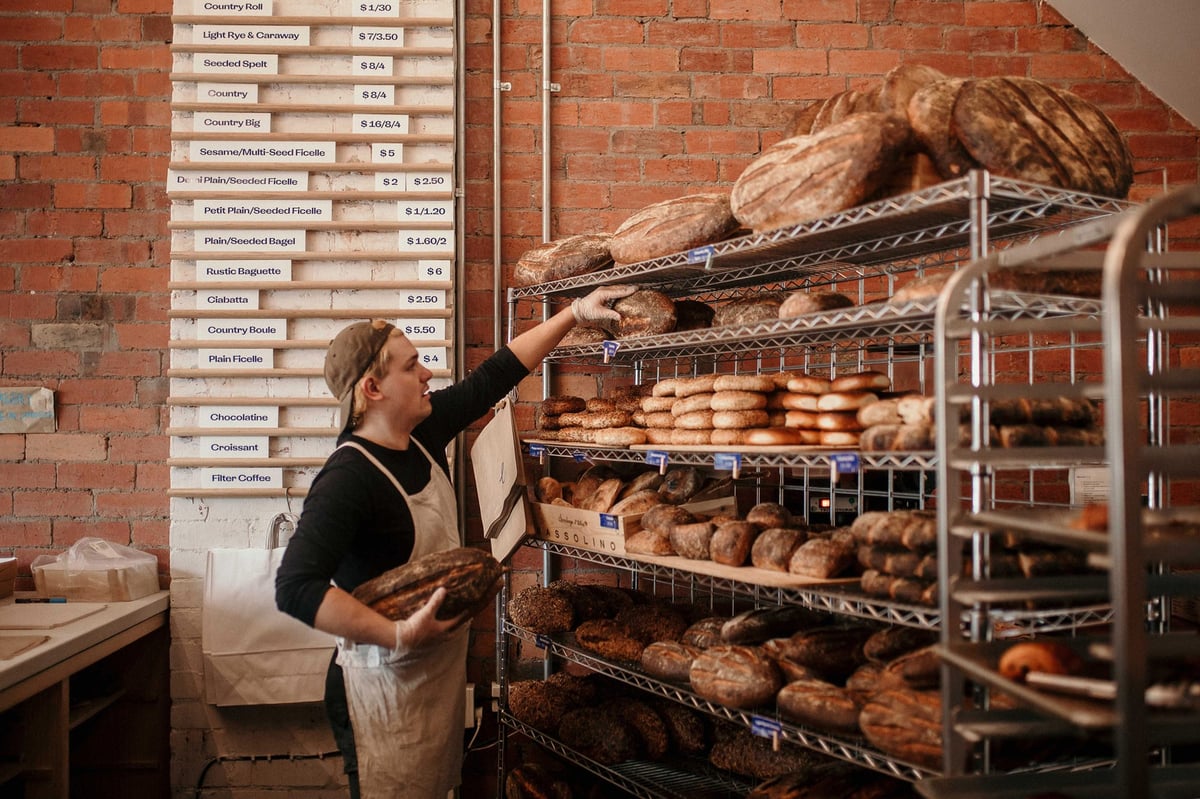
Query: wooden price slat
x=204, y=374
x=316, y=108
x=392, y=196
x=238, y=493
x=282, y=402
x=251, y=344
x=344, y=138
x=311, y=285
x=328, y=22
x=225, y=463
x=314, y=50
x=270, y=432
x=292, y=224
x=346, y=257
x=267, y=80
x=310, y=313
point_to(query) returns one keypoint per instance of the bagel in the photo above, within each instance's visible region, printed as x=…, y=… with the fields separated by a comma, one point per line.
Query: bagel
x=727, y=437
x=807, y=384
x=696, y=420
x=882, y=412
x=838, y=421
x=773, y=436
x=606, y=420
x=692, y=403
x=802, y=419
x=600, y=405
x=619, y=436
x=830, y=438
x=656, y=404
x=658, y=435
x=845, y=400
x=687, y=437
x=664, y=388
x=687, y=386
x=744, y=383
x=861, y=381
x=787, y=401
x=660, y=419
x=558, y=404
x=739, y=420
x=733, y=400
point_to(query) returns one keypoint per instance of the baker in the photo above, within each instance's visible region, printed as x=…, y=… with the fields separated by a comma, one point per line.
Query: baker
x=395, y=689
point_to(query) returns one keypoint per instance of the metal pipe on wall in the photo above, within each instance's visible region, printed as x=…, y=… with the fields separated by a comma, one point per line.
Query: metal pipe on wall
x=497, y=229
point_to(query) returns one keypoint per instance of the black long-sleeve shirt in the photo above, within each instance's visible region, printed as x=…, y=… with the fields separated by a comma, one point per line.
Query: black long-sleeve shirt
x=355, y=524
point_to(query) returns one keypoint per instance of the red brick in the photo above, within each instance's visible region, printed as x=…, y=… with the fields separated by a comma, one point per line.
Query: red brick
x=92, y=195
x=56, y=447
x=102, y=251
x=59, y=57
x=150, y=534
x=862, y=62
x=806, y=11
x=30, y=28
x=999, y=14
x=632, y=8
x=61, y=223
x=601, y=30
x=58, y=167
x=29, y=474
x=26, y=139
x=58, y=112
x=101, y=419
x=97, y=477
x=68, y=531
x=833, y=35
x=641, y=59
x=732, y=86
x=53, y=503
x=1049, y=67
x=8, y=167
x=923, y=12
x=132, y=168
x=26, y=195
x=33, y=533
x=684, y=34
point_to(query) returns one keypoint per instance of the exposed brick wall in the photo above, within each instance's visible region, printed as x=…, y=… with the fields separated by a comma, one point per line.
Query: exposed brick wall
x=659, y=98
x=84, y=130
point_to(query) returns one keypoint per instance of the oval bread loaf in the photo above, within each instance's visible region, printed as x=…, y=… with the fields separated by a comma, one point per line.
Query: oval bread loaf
x=563, y=258
x=735, y=676
x=471, y=578
x=645, y=313
x=672, y=226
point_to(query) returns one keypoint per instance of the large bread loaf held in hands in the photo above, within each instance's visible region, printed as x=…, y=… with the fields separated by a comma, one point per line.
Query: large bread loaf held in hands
x=471, y=578
x=806, y=177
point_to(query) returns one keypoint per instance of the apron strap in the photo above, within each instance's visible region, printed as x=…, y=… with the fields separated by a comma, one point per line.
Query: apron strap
x=366, y=453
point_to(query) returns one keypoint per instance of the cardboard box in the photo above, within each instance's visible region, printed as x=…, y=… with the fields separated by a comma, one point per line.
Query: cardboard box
x=117, y=584
x=604, y=532
x=8, y=576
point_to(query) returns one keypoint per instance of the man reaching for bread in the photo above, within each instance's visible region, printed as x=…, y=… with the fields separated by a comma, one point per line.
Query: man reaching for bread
x=395, y=690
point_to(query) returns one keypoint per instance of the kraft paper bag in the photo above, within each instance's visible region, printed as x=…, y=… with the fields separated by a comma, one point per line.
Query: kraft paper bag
x=500, y=483
x=254, y=654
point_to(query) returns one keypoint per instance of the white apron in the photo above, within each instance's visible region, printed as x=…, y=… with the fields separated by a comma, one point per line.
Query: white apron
x=407, y=711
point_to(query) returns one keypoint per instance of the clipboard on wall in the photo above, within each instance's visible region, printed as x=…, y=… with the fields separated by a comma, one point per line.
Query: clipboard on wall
x=500, y=483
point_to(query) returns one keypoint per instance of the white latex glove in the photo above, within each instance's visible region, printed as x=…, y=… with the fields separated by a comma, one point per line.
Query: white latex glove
x=593, y=309
x=423, y=627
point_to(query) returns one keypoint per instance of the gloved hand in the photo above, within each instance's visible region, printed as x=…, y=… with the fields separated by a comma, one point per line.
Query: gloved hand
x=593, y=309
x=423, y=627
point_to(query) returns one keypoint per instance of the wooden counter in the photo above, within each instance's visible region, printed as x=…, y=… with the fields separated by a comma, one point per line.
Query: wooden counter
x=86, y=711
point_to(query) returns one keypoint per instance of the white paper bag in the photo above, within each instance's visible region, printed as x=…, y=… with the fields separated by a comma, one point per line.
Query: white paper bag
x=254, y=654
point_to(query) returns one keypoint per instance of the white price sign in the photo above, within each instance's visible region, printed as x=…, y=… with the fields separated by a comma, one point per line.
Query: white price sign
x=374, y=95
x=241, y=478
x=433, y=270
x=372, y=65
x=429, y=298
x=429, y=181
x=375, y=10
x=423, y=329
x=379, y=123
x=427, y=240
x=425, y=209
x=387, y=154
x=433, y=357
x=376, y=37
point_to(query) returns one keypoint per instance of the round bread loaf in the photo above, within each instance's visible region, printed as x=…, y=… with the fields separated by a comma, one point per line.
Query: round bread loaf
x=844, y=104
x=895, y=640
x=639, y=502
x=1025, y=129
x=823, y=557
x=563, y=258
x=538, y=704
x=672, y=226
x=645, y=313
x=669, y=660
x=735, y=676
x=774, y=547
x=542, y=610
x=470, y=576
x=748, y=310
x=548, y=489
x=646, y=723
x=599, y=734
x=687, y=729
x=731, y=543
x=807, y=177
x=704, y=632
x=926, y=287
x=799, y=303
x=744, y=383
x=680, y=483
x=600, y=500
x=763, y=624
x=692, y=540
x=653, y=621
x=533, y=781
x=727, y=400
x=820, y=705
x=641, y=482
x=609, y=639
x=866, y=380
x=770, y=514
x=739, y=420
x=648, y=542
x=661, y=518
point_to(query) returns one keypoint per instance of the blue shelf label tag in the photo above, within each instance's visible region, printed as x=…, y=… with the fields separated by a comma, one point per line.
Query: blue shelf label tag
x=727, y=460
x=610, y=349
x=764, y=727
x=579, y=457
x=609, y=521
x=700, y=255
x=845, y=462
x=537, y=450
x=542, y=641
x=656, y=457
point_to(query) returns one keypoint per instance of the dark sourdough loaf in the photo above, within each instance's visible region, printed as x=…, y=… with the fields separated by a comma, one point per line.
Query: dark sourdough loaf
x=471, y=578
